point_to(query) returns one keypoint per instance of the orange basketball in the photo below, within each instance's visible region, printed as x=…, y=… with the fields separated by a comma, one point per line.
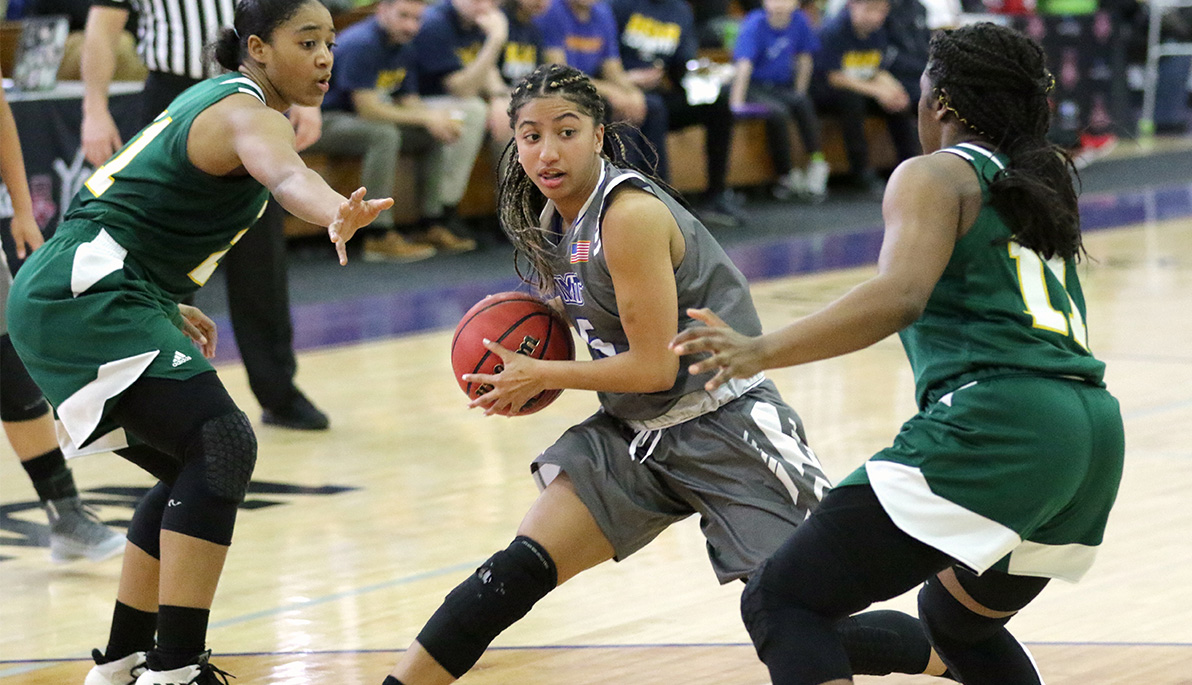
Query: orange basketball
x=519, y=322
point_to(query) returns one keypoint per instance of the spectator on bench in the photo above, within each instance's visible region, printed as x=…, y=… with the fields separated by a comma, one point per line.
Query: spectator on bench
x=657, y=40
x=906, y=55
x=524, y=49
x=459, y=49
x=849, y=81
x=373, y=110
x=583, y=34
x=774, y=58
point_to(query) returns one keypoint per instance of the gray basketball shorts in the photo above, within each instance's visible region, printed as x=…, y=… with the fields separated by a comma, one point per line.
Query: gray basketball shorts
x=745, y=468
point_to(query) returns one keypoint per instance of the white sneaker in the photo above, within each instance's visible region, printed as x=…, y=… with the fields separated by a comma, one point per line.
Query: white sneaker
x=200, y=673
x=816, y=179
x=119, y=672
x=790, y=186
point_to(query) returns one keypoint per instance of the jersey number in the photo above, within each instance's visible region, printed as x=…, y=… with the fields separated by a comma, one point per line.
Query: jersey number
x=1032, y=281
x=102, y=179
x=597, y=345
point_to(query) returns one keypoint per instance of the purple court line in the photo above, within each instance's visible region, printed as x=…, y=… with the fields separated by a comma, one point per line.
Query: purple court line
x=338, y=322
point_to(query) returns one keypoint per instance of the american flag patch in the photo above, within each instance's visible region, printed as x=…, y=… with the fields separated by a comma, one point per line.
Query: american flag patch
x=580, y=251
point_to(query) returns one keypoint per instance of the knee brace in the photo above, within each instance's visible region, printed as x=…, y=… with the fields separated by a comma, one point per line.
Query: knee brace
x=948, y=621
x=493, y=598
x=227, y=447
x=144, y=530
x=217, y=468
x=20, y=398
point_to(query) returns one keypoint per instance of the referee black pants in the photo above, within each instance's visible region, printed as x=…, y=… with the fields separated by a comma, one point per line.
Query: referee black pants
x=258, y=288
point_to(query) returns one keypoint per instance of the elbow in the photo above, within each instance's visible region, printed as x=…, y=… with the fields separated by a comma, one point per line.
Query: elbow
x=907, y=310
x=660, y=376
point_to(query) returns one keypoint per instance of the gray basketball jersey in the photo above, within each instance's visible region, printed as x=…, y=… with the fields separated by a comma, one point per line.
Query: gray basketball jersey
x=706, y=278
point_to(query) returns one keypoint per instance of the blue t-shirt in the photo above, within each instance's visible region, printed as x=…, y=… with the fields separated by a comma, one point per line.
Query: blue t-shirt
x=366, y=59
x=654, y=30
x=523, y=49
x=444, y=46
x=587, y=44
x=842, y=50
x=773, y=51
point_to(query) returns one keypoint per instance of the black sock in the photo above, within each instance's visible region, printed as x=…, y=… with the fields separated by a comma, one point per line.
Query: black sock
x=50, y=477
x=181, y=636
x=132, y=631
x=390, y=680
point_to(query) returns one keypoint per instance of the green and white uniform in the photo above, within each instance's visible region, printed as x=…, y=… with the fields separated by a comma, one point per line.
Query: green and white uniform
x=1014, y=459
x=96, y=307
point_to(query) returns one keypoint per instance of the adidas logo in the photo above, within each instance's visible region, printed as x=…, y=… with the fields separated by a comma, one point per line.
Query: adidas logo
x=180, y=359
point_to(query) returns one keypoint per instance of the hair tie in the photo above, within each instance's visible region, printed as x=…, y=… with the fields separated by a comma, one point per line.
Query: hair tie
x=235, y=33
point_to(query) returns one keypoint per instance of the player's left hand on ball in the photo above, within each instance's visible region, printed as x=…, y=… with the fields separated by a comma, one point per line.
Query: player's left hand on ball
x=512, y=387
x=731, y=354
x=200, y=328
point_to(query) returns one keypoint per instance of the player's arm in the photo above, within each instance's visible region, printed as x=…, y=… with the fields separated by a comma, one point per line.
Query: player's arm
x=636, y=237
x=101, y=38
x=262, y=140
x=25, y=232
x=921, y=210
x=239, y=132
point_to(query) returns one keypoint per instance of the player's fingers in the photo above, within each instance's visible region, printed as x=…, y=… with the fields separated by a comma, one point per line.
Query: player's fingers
x=341, y=249
x=496, y=348
x=192, y=331
x=705, y=315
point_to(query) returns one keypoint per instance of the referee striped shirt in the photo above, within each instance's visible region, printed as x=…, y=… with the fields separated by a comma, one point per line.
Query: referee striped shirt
x=171, y=34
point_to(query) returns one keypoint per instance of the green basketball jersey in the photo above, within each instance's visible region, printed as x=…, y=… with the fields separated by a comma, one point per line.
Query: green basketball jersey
x=998, y=306
x=175, y=220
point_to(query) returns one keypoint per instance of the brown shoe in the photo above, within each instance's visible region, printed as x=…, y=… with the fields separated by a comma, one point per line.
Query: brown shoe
x=393, y=247
x=446, y=241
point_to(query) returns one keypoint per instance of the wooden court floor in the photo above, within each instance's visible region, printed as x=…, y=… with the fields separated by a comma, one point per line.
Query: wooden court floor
x=352, y=537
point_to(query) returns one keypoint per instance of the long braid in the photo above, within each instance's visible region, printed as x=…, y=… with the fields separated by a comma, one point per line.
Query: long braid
x=995, y=81
x=519, y=202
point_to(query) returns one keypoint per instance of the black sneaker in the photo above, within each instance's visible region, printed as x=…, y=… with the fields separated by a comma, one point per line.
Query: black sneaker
x=299, y=415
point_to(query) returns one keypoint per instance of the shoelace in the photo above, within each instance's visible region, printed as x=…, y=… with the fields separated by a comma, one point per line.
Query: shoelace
x=213, y=672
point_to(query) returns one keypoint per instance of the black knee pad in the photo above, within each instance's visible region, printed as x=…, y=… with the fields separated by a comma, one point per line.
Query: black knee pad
x=214, y=478
x=493, y=598
x=20, y=398
x=948, y=621
x=144, y=530
x=227, y=447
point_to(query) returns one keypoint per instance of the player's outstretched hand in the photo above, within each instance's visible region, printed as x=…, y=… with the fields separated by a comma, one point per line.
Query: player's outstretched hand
x=353, y=214
x=513, y=385
x=731, y=354
x=200, y=328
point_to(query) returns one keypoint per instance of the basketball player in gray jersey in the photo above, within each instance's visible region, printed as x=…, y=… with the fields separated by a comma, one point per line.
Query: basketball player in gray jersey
x=625, y=261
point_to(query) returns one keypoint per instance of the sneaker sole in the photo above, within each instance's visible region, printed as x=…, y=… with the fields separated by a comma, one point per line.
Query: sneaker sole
x=68, y=552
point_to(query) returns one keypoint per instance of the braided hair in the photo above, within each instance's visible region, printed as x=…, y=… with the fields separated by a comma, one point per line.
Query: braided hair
x=519, y=202
x=995, y=81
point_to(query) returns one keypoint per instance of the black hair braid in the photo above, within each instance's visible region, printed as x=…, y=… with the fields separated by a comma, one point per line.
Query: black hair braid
x=995, y=81
x=519, y=203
